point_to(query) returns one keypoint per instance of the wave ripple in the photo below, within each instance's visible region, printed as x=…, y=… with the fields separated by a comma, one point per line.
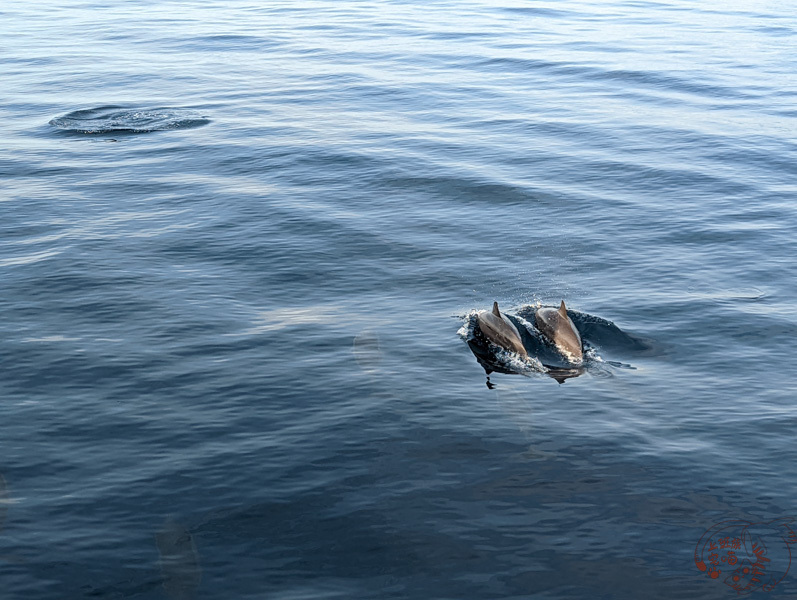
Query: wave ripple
x=117, y=119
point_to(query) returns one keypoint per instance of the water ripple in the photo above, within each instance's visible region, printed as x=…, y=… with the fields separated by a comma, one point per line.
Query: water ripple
x=117, y=119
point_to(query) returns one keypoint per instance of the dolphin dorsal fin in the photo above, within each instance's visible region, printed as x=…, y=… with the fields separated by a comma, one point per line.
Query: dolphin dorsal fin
x=495, y=309
x=563, y=309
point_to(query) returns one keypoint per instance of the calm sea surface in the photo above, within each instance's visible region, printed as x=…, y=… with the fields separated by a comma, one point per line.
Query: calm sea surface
x=238, y=241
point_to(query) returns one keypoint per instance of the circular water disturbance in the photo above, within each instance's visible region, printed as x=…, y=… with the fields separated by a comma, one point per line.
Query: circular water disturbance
x=117, y=119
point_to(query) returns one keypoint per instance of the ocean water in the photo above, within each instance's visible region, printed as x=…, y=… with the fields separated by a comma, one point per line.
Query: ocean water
x=238, y=241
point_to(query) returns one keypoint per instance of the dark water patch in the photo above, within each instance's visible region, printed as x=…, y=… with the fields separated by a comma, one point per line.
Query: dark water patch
x=118, y=119
x=536, y=11
x=4, y=501
x=669, y=82
x=606, y=335
x=225, y=43
x=776, y=30
x=520, y=65
x=761, y=153
x=179, y=561
x=627, y=77
x=784, y=113
x=667, y=180
x=38, y=61
x=24, y=168
x=460, y=189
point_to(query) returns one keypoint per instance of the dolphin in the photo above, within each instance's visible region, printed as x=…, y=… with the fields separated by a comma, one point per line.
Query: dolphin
x=555, y=325
x=501, y=331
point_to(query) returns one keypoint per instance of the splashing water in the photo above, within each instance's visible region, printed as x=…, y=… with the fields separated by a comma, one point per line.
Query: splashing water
x=117, y=119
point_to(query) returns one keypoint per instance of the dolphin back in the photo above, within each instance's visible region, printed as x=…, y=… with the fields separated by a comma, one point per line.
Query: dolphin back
x=557, y=326
x=501, y=331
